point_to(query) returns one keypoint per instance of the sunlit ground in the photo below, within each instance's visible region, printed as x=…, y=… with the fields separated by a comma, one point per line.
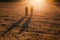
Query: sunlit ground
x=48, y=24
x=37, y=4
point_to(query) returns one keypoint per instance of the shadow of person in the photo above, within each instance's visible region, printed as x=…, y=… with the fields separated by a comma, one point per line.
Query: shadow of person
x=14, y=25
x=25, y=25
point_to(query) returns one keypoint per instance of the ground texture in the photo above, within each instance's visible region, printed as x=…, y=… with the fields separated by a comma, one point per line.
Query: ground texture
x=14, y=25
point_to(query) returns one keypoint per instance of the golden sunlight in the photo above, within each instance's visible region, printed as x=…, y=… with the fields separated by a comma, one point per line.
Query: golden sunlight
x=36, y=3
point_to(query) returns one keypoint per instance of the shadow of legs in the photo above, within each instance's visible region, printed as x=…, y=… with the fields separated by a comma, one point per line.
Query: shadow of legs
x=25, y=25
x=14, y=25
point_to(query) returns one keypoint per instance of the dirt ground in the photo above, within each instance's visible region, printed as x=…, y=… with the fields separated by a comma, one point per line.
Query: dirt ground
x=44, y=25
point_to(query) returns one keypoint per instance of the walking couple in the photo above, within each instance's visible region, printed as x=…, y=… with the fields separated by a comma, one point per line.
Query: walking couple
x=27, y=9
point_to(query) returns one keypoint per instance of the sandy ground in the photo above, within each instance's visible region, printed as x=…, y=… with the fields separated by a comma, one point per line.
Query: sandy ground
x=45, y=25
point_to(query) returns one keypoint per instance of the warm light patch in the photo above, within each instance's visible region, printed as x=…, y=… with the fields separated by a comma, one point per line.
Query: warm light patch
x=51, y=1
x=36, y=3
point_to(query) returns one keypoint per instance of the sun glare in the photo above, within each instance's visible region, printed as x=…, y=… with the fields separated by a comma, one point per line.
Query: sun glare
x=36, y=3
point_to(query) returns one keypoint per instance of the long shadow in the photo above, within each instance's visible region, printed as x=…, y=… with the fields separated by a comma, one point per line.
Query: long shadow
x=14, y=25
x=25, y=25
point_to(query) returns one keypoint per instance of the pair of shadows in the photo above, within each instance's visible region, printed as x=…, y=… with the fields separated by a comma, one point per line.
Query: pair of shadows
x=25, y=25
x=14, y=25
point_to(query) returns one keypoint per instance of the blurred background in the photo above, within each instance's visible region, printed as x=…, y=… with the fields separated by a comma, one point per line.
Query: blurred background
x=23, y=0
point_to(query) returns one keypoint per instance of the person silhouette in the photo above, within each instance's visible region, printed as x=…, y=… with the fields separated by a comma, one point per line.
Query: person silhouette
x=31, y=11
x=26, y=11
